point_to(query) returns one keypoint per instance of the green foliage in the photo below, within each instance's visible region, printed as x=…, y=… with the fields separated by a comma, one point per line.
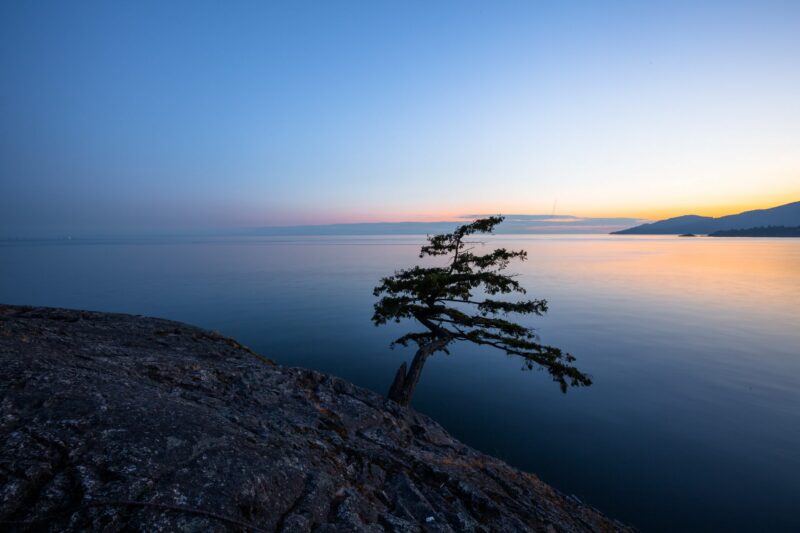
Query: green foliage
x=442, y=300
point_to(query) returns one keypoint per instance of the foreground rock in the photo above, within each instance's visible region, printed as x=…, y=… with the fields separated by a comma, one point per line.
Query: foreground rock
x=115, y=422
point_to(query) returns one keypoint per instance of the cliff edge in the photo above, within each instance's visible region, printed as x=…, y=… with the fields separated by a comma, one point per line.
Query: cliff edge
x=113, y=422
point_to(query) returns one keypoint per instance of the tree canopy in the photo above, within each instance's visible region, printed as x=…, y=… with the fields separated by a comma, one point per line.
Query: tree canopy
x=459, y=302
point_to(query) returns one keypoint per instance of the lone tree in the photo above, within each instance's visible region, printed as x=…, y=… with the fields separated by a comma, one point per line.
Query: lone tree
x=442, y=300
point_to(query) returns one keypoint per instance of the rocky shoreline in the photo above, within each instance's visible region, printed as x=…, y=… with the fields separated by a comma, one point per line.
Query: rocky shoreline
x=112, y=422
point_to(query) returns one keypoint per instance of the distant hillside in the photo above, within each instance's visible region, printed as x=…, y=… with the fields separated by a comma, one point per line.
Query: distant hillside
x=764, y=231
x=784, y=215
x=513, y=224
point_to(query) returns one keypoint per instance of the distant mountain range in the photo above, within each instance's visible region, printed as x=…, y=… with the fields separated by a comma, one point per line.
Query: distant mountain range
x=513, y=224
x=784, y=215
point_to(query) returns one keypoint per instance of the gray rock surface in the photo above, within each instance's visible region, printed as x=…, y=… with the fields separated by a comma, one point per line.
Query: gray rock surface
x=113, y=422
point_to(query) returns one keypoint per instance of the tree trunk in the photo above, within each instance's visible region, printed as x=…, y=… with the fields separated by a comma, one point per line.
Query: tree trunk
x=404, y=384
x=396, y=390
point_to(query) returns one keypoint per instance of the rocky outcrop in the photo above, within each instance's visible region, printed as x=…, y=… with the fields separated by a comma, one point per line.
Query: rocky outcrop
x=113, y=422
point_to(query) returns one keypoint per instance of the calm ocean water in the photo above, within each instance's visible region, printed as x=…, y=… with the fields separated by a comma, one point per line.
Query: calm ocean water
x=693, y=422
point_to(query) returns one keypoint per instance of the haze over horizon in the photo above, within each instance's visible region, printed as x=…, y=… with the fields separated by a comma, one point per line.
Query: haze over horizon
x=513, y=224
x=151, y=117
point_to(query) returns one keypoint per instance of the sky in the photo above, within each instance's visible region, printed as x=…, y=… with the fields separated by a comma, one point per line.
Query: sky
x=162, y=116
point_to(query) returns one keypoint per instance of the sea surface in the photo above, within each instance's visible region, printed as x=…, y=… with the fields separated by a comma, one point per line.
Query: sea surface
x=693, y=421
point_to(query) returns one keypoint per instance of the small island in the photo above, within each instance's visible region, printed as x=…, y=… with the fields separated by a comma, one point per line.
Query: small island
x=762, y=231
x=687, y=235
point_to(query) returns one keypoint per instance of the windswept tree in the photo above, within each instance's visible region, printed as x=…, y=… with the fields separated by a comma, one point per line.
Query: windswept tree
x=458, y=302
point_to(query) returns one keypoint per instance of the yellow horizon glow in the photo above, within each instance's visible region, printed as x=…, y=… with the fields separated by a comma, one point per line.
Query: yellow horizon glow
x=645, y=212
x=709, y=209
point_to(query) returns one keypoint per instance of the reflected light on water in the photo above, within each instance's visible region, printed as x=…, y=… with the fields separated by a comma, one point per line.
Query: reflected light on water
x=693, y=421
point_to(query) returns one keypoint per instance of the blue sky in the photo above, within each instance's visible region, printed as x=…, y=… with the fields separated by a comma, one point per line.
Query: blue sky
x=150, y=116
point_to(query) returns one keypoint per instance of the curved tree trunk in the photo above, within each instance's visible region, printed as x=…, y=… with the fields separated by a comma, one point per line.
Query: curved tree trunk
x=405, y=382
x=396, y=390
